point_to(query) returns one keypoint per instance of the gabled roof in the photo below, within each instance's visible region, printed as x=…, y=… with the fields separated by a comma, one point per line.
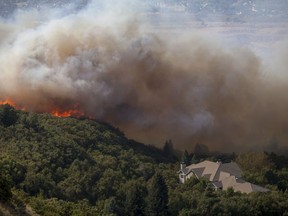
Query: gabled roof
x=231, y=168
x=217, y=184
x=212, y=170
x=249, y=187
x=198, y=171
x=222, y=176
x=209, y=169
x=231, y=181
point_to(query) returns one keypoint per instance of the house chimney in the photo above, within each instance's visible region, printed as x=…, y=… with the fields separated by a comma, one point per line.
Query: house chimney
x=182, y=165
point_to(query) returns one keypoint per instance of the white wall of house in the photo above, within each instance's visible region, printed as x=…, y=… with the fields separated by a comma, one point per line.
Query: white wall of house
x=182, y=177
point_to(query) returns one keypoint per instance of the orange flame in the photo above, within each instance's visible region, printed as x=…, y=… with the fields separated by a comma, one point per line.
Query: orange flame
x=67, y=113
x=7, y=101
x=56, y=112
x=11, y=103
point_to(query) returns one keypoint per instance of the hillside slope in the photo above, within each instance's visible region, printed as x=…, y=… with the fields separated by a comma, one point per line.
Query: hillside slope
x=70, y=159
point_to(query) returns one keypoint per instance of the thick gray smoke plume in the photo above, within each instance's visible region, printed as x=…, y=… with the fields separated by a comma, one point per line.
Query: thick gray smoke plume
x=154, y=86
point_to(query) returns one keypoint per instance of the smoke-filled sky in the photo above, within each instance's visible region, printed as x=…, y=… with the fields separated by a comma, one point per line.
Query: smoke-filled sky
x=191, y=85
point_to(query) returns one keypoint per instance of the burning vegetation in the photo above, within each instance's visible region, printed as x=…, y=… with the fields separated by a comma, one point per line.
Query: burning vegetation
x=55, y=112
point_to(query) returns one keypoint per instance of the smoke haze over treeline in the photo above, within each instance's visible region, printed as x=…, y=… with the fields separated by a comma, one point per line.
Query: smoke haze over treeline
x=107, y=63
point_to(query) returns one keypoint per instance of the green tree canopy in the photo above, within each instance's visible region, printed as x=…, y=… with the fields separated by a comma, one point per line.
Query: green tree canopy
x=8, y=115
x=157, y=200
x=5, y=189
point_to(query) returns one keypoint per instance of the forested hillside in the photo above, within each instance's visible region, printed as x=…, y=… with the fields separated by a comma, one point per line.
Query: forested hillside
x=69, y=166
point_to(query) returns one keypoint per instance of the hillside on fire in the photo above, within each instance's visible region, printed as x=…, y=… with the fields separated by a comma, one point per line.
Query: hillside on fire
x=68, y=166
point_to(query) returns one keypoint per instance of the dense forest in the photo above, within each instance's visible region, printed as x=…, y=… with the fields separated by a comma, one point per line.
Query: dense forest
x=71, y=166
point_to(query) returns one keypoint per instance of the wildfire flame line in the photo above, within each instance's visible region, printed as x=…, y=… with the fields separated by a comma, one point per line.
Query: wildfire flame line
x=8, y=101
x=66, y=113
x=56, y=112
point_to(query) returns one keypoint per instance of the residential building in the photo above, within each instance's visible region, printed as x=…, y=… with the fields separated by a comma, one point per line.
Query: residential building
x=221, y=176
